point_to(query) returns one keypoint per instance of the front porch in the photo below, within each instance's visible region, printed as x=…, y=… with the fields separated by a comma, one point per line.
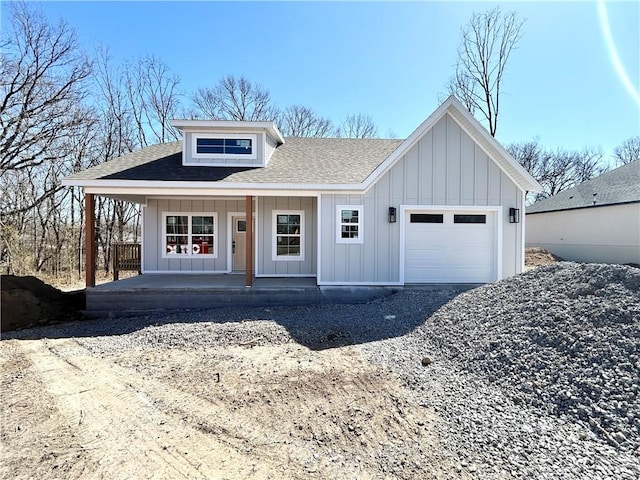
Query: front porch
x=152, y=292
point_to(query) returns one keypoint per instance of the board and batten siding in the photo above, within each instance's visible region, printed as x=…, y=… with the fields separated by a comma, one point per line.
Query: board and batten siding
x=444, y=168
x=265, y=265
x=269, y=147
x=153, y=234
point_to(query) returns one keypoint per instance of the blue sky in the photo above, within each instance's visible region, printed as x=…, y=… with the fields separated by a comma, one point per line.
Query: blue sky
x=390, y=60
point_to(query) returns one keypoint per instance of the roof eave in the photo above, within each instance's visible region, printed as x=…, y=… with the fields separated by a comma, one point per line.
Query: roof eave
x=155, y=184
x=270, y=127
x=582, y=207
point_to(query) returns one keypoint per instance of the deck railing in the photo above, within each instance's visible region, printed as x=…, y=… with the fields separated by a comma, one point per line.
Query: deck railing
x=126, y=257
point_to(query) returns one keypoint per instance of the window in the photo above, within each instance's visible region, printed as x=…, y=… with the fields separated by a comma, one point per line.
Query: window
x=288, y=241
x=190, y=234
x=426, y=218
x=224, y=146
x=349, y=224
x=469, y=219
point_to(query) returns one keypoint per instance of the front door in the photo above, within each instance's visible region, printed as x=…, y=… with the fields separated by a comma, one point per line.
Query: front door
x=239, y=242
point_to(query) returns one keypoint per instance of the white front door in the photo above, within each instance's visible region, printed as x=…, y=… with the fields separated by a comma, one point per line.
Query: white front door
x=239, y=242
x=449, y=246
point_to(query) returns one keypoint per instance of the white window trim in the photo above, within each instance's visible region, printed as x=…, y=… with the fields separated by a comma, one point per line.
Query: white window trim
x=248, y=136
x=339, y=238
x=189, y=255
x=274, y=236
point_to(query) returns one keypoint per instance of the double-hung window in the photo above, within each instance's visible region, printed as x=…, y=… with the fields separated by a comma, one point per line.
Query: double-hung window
x=349, y=224
x=190, y=234
x=288, y=235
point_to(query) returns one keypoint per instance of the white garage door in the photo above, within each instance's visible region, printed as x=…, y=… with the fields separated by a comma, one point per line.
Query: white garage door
x=449, y=247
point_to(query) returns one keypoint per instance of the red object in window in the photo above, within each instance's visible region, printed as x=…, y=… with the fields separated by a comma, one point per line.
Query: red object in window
x=200, y=248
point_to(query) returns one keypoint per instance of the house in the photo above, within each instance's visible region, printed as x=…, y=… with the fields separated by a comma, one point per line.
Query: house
x=441, y=206
x=596, y=221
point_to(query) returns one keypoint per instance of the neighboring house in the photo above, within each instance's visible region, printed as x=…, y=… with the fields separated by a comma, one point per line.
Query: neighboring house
x=596, y=221
x=238, y=197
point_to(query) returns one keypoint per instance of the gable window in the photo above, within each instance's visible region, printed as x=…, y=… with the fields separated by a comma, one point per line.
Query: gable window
x=190, y=234
x=288, y=235
x=349, y=224
x=224, y=146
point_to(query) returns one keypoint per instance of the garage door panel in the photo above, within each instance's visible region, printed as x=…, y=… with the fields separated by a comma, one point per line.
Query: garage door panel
x=450, y=252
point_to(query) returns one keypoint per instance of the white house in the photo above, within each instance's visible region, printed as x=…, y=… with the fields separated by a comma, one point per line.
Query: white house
x=596, y=221
x=441, y=206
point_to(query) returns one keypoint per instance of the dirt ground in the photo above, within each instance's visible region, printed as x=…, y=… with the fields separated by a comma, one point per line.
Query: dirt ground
x=233, y=412
x=230, y=412
x=30, y=302
x=538, y=257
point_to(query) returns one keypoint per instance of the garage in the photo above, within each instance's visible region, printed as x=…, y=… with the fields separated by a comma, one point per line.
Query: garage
x=450, y=246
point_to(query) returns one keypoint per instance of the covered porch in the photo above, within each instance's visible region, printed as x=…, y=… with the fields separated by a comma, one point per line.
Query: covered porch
x=127, y=257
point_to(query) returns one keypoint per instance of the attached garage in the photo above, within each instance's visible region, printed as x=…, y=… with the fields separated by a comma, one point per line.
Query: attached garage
x=452, y=245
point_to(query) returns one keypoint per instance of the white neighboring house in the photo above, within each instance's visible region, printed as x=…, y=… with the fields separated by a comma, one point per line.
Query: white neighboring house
x=596, y=221
x=441, y=206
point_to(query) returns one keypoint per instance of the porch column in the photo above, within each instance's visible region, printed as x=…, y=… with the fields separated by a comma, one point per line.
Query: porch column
x=90, y=239
x=249, y=243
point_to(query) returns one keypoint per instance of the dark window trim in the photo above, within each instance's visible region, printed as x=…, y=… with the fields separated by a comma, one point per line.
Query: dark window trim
x=469, y=218
x=426, y=218
x=223, y=144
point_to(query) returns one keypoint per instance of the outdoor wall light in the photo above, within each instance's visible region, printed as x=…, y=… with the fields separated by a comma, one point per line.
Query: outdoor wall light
x=514, y=215
x=392, y=214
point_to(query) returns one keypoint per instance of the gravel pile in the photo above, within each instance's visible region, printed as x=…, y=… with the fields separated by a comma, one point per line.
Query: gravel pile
x=496, y=364
x=564, y=338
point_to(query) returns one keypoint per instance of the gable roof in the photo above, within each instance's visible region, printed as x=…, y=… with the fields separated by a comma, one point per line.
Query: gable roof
x=477, y=132
x=621, y=185
x=299, y=163
x=311, y=161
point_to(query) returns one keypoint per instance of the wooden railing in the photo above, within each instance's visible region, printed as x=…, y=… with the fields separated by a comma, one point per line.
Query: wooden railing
x=126, y=257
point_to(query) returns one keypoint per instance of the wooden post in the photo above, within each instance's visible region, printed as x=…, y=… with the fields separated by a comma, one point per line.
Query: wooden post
x=90, y=239
x=249, y=242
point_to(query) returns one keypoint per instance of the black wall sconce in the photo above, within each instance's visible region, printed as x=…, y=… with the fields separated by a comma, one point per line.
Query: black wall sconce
x=392, y=214
x=514, y=215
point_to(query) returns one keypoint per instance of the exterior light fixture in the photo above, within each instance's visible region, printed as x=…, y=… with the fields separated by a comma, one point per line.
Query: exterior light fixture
x=514, y=215
x=392, y=214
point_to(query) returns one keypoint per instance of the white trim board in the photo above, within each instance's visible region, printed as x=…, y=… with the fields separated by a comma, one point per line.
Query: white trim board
x=286, y=275
x=186, y=272
x=360, y=284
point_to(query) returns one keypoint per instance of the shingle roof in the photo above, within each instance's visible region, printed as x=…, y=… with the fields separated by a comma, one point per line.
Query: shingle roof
x=621, y=185
x=297, y=161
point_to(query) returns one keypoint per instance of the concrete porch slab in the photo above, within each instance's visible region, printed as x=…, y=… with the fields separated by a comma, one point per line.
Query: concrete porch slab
x=152, y=292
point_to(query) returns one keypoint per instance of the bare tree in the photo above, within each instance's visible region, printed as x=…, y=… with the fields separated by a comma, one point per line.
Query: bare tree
x=235, y=99
x=154, y=99
x=628, y=151
x=42, y=75
x=487, y=42
x=357, y=126
x=299, y=121
x=557, y=170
